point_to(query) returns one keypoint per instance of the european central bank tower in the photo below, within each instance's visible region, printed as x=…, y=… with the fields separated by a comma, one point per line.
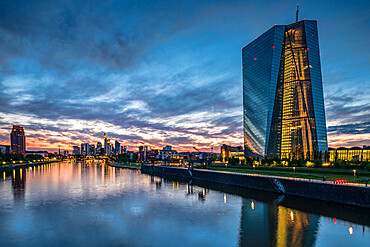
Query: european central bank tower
x=283, y=102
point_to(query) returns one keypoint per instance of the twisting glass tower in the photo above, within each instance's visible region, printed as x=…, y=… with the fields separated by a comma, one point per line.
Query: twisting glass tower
x=283, y=102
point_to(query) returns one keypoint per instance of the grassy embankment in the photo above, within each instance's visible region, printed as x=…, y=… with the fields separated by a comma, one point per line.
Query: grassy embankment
x=331, y=174
x=129, y=165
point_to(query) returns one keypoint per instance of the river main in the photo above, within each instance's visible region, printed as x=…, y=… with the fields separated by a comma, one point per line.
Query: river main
x=92, y=204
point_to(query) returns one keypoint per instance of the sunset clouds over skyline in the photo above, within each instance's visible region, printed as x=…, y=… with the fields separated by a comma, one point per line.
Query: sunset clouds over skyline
x=163, y=72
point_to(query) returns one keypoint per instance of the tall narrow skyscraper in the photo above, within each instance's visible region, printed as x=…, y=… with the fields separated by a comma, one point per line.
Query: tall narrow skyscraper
x=18, y=140
x=283, y=103
x=105, y=144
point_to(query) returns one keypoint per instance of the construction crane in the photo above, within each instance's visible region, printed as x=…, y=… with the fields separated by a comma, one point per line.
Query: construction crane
x=197, y=149
x=204, y=159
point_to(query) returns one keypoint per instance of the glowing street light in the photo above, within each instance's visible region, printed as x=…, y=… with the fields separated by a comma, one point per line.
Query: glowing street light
x=354, y=173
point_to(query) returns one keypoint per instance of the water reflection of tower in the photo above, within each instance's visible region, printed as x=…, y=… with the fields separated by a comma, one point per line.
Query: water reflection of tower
x=19, y=183
x=264, y=224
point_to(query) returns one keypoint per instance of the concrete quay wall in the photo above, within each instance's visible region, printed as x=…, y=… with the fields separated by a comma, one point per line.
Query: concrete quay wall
x=166, y=170
x=324, y=191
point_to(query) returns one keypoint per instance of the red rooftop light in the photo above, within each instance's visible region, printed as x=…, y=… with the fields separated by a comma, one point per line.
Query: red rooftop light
x=273, y=47
x=319, y=54
x=255, y=59
x=308, y=49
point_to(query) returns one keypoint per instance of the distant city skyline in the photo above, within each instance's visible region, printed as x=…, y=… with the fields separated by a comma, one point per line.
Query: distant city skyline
x=165, y=72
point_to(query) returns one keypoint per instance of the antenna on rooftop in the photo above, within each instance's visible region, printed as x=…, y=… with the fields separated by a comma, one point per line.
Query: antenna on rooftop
x=296, y=14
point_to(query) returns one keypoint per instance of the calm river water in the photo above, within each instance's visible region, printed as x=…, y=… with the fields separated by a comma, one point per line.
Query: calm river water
x=92, y=204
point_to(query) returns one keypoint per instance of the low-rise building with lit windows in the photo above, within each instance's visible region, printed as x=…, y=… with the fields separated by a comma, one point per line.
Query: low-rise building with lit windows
x=350, y=154
x=228, y=152
x=5, y=149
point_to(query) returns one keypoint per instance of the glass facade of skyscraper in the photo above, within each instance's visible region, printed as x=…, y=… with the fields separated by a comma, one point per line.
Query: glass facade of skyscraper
x=282, y=93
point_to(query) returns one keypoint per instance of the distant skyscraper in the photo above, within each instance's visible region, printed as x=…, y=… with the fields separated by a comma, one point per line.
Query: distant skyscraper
x=85, y=149
x=283, y=103
x=108, y=149
x=92, y=150
x=76, y=150
x=18, y=140
x=143, y=152
x=105, y=143
x=99, y=148
x=117, y=147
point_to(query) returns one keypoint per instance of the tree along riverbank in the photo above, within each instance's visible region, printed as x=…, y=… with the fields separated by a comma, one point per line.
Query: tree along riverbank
x=10, y=167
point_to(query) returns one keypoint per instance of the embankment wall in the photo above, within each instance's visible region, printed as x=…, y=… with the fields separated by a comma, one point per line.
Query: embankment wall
x=325, y=191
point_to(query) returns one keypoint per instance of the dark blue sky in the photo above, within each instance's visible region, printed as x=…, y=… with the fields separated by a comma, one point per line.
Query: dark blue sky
x=163, y=72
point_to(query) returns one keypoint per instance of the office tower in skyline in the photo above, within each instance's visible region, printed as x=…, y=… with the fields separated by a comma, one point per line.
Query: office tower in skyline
x=76, y=150
x=18, y=140
x=117, y=147
x=108, y=149
x=283, y=103
x=92, y=150
x=85, y=149
x=105, y=143
x=99, y=148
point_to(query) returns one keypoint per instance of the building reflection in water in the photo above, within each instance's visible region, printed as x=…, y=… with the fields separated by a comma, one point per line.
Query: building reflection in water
x=19, y=184
x=283, y=226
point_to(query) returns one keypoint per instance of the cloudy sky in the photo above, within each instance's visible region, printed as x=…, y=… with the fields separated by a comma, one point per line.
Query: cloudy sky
x=163, y=72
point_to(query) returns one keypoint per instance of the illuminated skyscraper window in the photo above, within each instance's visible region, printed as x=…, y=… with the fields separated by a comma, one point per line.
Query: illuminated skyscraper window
x=283, y=102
